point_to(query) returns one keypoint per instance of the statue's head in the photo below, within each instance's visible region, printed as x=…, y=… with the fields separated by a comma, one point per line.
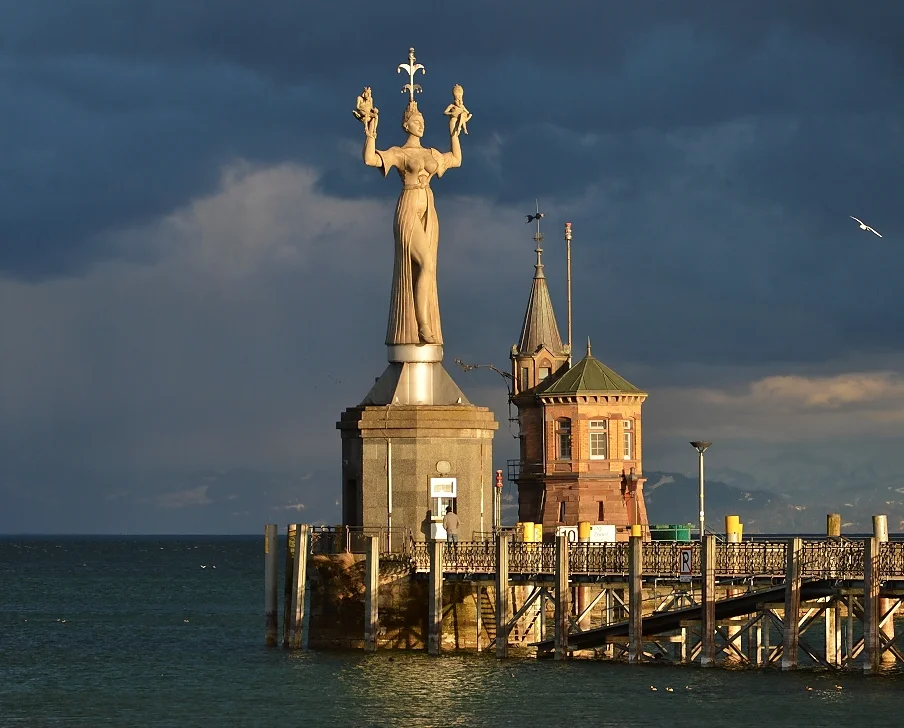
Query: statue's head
x=413, y=120
x=457, y=92
x=366, y=93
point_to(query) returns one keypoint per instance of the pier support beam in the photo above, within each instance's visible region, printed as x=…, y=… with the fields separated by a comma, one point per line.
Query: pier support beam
x=871, y=613
x=502, y=595
x=435, y=607
x=880, y=531
x=271, y=595
x=635, y=603
x=563, y=597
x=299, y=576
x=708, y=602
x=372, y=593
x=791, y=626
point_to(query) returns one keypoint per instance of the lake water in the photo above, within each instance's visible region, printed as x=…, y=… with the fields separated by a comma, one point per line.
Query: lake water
x=108, y=631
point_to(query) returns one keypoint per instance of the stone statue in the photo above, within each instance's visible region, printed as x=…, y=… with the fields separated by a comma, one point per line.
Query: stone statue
x=366, y=112
x=414, y=302
x=458, y=115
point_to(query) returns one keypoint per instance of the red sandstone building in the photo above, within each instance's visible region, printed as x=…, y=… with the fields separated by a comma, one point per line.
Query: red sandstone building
x=581, y=431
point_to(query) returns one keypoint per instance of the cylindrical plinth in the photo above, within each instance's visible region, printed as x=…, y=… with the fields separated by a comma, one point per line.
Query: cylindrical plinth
x=402, y=353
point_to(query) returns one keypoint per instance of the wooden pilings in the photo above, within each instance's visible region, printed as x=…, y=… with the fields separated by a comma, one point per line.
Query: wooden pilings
x=502, y=595
x=271, y=614
x=871, y=611
x=635, y=603
x=435, y=607
x=708, y=602
x=297, y=579
x=372, y=593
x=563, y=597
x=791, y=626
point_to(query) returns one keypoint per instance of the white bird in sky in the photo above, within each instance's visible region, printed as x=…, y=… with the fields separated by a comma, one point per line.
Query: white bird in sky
x=864, y=226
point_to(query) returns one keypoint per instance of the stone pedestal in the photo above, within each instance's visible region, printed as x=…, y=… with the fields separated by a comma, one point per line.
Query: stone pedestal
x=415, y=424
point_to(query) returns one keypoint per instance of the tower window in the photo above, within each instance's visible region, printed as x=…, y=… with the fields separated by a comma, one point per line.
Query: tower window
x=599, y=445
x=628, y=436
x=525, y=379
x=544, y=372
x=601, y=514
x=563, y=433
x=561, y=511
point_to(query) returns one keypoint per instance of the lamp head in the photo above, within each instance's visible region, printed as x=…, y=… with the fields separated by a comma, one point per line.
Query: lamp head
x=700, y=445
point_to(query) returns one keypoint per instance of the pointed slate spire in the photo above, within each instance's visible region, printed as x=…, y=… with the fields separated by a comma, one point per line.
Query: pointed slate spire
x=540, y=327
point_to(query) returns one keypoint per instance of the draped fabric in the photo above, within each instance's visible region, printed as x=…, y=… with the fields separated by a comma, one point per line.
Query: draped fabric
x=415, y=226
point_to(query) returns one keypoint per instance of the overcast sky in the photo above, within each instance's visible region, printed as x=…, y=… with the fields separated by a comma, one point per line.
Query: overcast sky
x=195, y=263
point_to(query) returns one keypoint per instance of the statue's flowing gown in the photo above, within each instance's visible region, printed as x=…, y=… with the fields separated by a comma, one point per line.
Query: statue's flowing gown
x=415, y=224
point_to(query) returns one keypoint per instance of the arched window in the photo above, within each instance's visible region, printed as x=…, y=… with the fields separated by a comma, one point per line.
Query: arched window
x=544, y=370
x=563, y=437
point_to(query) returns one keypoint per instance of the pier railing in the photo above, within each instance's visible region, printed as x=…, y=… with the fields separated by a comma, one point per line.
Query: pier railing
x=819, y=559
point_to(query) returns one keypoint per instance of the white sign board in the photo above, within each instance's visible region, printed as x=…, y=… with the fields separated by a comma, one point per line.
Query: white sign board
x=685, y=563
x=602, y=533
x=443, y=487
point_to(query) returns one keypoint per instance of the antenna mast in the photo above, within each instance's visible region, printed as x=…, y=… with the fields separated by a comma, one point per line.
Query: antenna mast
x=568, y=279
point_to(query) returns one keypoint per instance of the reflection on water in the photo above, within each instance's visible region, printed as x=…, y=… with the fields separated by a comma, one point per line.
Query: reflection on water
x=134, y=632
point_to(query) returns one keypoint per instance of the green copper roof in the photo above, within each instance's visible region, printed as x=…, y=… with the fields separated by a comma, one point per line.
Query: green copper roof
x=589, y=375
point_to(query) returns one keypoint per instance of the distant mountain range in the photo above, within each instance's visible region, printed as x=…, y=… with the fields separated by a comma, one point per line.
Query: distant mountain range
x=673, y=498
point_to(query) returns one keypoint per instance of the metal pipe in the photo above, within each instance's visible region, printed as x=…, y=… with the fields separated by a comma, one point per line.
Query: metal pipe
x=568, y=277
x=388, y=493
x=702, y=516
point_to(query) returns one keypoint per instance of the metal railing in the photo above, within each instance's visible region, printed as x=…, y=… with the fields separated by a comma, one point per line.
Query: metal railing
x=819, y=559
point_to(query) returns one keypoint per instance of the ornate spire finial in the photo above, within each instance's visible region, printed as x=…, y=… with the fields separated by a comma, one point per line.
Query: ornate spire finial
x=538, y=236
x=411, y=68
x=588, y=346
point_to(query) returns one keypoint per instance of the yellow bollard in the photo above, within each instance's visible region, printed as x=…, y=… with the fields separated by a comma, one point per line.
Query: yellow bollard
x=584, y=531
x=528, y=531
x=636, y=529
x=538, y=533
x=731, y=524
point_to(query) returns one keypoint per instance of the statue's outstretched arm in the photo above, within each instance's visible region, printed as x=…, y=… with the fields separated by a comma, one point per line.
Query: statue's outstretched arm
x=371, y=158
x=453, y=157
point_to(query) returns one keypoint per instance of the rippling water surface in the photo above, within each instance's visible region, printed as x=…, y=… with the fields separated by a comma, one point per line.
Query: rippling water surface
x=134, y=632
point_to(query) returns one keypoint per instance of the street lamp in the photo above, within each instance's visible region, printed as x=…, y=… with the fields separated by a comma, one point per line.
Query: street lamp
x=700, y=446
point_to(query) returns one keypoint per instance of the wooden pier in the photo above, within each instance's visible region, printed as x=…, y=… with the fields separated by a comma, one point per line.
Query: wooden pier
x=782, y=603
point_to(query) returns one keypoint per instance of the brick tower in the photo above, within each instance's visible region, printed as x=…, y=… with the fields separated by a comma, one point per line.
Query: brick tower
x=581, y=431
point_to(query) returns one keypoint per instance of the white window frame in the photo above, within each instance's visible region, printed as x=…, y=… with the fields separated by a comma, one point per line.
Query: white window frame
x=599, y=428
x=628, y=439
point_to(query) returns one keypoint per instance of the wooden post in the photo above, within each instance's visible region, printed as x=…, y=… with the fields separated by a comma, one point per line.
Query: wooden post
x=880, y=531
x=563, y=597
x=791, y=624
x=287, y=589
x=833, y=634
x=479, y=602
x=435, y=616
x=871, y=614
x=299, y=587
x=635, y=605
x=271, y=613
x=833, y=525
x=708, y=606
x=849, y=636
x=372, y=593
x=502, y=597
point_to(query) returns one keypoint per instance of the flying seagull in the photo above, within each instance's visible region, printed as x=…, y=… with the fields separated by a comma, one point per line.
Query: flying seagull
x=864, y=226
x=535, y=217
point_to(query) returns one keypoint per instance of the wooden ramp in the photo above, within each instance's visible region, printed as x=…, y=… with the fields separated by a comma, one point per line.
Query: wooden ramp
x=661, y=622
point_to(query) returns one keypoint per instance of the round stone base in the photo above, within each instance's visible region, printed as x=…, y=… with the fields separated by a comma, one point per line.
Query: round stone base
x=415, y=352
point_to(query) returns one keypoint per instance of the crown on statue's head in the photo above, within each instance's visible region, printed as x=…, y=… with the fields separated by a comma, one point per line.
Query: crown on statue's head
x=410, y=110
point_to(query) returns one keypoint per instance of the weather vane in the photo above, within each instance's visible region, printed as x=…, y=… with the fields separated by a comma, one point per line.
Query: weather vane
x=411, y=68
x=538, y=236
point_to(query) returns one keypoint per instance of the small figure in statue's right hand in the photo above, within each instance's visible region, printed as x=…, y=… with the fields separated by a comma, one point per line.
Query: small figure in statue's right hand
x=366, y=112
x=458, y=115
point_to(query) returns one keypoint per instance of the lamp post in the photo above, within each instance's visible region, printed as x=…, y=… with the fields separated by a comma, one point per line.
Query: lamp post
x=700, y=446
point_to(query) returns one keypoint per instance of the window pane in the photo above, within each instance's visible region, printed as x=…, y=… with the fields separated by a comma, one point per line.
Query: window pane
x=629, y=442
x=525, y=378
x=544, y=372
